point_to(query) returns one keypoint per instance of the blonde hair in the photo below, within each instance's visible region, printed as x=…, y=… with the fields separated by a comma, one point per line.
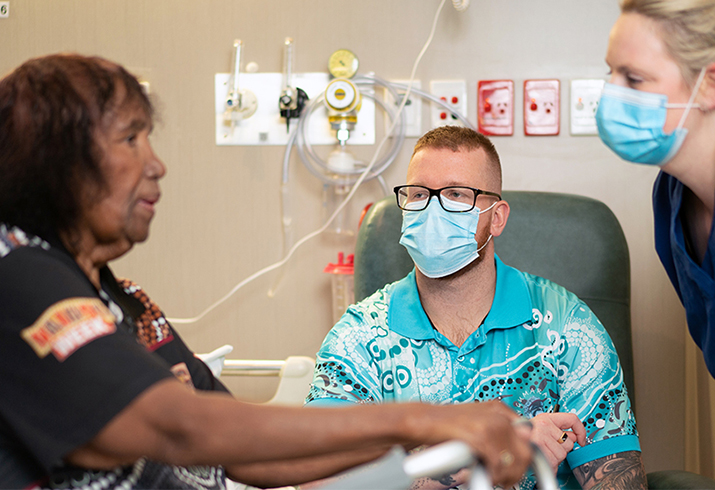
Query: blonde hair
x=458, y=138
x=688, y=28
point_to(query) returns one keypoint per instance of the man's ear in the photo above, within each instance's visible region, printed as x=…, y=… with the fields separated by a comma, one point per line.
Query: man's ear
x=706, y=93
x=499, y=218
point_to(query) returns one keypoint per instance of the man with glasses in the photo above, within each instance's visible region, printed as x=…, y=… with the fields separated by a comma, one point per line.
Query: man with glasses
x=465, y=327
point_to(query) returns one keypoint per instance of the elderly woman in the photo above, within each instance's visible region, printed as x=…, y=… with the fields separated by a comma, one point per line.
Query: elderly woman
x=658, y=110
x=93, y=380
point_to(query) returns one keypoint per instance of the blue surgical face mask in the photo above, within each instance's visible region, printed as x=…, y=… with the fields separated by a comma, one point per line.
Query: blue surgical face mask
x=440, y=242
x=630, y=122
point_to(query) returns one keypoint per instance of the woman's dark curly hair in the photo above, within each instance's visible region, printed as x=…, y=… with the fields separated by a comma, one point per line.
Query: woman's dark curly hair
x=51, y=110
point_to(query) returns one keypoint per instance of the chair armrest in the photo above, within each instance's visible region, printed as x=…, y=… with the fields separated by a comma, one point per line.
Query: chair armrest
x=676, y=479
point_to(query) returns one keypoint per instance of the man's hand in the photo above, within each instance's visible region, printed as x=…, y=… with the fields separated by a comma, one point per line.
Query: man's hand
x=555, y=434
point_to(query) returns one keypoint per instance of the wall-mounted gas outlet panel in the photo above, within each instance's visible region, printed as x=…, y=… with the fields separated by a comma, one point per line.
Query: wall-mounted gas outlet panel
x=412, y=110
x=267, y=127
x=495, y=107
x=585, y=95
x=454, y=93
x=541, y=107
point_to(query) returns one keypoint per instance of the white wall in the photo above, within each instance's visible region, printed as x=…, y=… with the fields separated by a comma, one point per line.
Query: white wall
x=218, y=221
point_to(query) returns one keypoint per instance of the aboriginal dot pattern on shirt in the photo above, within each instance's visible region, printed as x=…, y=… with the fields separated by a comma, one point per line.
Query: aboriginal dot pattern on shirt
x=13, y=237
x=562, y=355
x=152, y=328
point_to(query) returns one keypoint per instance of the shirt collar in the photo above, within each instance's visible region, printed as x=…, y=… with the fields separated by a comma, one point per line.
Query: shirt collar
x=512, y=302
x=511, y=306
x=405, y=314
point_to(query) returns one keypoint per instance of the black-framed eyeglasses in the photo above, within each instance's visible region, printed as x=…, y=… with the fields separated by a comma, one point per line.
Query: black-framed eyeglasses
x=455, y=199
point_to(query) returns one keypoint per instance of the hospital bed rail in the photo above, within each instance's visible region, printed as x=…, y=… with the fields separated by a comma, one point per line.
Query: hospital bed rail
x=295, y=373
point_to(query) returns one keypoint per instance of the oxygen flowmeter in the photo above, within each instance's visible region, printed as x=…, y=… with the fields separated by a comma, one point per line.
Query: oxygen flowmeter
x=292, y=99
x=240, y=103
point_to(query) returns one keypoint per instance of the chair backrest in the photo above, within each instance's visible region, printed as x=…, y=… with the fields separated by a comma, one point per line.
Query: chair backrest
x=574, y=241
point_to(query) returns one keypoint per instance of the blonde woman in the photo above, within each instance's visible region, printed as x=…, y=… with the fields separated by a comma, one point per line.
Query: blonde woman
x=658, y=110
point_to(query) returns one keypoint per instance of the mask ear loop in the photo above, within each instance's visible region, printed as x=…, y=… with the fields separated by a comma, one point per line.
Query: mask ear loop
x=480, y=211
x=485, y=243
x=689, y=105
x=490, y=235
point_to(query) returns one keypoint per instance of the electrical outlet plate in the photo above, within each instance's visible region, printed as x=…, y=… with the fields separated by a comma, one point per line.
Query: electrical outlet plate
x=585, y=95
x=541, y=107
x=267, y=127
x=412, y=110
x=495, y=107
x=454, y=93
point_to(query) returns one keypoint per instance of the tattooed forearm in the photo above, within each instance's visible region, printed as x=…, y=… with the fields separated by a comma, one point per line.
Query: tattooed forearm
x=620, y=471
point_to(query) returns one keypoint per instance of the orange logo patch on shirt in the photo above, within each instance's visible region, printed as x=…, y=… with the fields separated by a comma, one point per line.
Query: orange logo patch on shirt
x=68, y=325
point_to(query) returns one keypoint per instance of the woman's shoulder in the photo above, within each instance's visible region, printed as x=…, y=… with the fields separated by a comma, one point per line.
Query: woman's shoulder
x=34, y=275
x=25, y=256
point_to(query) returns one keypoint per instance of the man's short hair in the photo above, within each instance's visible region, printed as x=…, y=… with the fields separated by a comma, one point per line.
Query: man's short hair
x=458, y=138
x=51, y=109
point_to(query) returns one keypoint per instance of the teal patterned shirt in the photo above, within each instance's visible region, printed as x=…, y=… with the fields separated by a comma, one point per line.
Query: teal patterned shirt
x=539, y=346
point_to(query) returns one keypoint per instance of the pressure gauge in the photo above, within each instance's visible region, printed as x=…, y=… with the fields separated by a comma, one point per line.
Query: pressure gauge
x=343, y=64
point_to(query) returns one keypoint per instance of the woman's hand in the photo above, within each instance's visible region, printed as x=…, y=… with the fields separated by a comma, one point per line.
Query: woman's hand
x=487, y=427
x=555, y=434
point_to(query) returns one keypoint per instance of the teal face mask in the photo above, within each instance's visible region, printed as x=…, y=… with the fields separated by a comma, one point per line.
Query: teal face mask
x=440, y=242
x=630, y=122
